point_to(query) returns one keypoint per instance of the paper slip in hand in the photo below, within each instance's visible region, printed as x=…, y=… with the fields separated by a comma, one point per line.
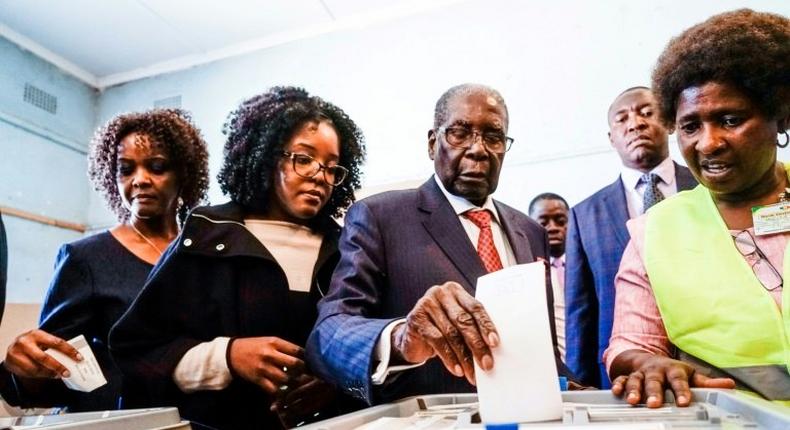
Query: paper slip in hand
x=522, y=386
x=86, y=375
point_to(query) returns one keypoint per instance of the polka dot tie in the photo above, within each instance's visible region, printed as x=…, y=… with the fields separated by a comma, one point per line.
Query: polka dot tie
x=652, y=194
x=485, y=242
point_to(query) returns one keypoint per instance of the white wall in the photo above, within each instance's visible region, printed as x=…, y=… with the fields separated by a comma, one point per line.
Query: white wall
x=558, y=65
x=42, y=165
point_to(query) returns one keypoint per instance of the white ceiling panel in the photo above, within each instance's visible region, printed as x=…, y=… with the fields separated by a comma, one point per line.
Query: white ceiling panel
x=212, y=24
x=102, y=37
x=106, y=42
x=346, y=8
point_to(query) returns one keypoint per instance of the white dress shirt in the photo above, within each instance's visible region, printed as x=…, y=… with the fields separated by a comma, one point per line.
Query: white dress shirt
x=460, y=205
x=558, y=290
x=635, y=191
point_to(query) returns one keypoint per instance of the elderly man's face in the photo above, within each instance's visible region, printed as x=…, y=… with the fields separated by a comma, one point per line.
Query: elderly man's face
x=471, y=173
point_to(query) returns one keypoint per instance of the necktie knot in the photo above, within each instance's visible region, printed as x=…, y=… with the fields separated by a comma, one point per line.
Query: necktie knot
x=650, y=179
x=485, y=241
x=481, y=218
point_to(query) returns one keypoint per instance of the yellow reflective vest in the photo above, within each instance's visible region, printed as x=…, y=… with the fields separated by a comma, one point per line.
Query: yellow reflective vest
x=714, y=308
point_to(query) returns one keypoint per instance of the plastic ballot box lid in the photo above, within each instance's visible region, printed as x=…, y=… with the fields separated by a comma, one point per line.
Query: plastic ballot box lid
x=592, y=409
x=131, y=419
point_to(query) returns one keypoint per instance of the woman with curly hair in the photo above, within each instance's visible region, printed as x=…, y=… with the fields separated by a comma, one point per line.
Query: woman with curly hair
x=220, y=327
x=700, y=299
x=151, y=167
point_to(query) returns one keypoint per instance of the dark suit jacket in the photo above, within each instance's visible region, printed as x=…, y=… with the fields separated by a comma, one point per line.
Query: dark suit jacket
x=597, y=237
x=394, y=247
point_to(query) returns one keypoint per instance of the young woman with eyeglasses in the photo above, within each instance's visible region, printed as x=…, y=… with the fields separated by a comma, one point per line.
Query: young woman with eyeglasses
x=700, y=299
x=220, y=327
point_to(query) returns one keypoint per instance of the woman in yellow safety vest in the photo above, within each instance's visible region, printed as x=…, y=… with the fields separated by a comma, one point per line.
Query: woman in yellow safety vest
x=700, y=299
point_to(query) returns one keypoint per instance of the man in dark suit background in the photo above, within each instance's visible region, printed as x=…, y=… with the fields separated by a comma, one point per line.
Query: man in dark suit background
x=597, y=235
x=400, y=318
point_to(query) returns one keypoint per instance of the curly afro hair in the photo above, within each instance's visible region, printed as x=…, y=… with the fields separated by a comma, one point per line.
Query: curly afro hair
x=257, y=133
x=744, y=48
x=170, y=128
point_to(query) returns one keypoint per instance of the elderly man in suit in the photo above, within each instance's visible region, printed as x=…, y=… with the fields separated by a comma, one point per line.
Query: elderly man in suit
x=597, y=234
x=400, y=318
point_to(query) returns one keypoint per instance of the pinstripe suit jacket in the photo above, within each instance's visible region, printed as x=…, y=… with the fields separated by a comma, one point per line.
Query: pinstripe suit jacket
x=597, y=237
x=394, y=247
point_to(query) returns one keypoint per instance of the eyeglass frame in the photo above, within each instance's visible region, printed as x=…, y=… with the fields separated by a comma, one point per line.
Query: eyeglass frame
x=760, y=257
x=470, y=141
x=321, y=167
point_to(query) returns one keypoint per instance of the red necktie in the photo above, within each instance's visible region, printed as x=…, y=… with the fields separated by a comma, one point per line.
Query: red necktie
x=485, y=242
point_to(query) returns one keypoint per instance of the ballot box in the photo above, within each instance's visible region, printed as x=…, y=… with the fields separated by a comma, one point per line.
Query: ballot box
x=594, y=409
x=132, y=419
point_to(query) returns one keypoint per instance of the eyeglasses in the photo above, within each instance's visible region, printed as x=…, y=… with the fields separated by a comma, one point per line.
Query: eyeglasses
x=762, y=268
x=464, y=137
x=307, y=167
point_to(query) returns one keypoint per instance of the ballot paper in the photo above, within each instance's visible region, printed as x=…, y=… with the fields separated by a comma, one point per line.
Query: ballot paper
x=86, y=375
x=522, y=386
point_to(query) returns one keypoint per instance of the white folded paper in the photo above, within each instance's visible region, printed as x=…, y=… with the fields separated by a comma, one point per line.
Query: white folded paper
x=86, y=375
x=523, y=385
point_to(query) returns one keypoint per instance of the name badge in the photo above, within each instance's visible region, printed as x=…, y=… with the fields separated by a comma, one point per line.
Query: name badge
x=770, y=219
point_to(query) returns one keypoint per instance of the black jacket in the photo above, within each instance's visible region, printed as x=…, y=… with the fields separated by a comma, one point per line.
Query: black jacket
x=215, y=280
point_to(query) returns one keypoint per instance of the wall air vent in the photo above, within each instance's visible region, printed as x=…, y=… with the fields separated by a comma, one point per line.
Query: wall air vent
x=40, y=99
x=168, y=102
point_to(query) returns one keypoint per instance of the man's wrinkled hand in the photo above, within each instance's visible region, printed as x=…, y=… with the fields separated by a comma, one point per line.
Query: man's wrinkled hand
x=448, y=323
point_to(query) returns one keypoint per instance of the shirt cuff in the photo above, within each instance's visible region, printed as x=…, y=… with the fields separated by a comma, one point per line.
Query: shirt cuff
x=381, y=354
x=204, y=367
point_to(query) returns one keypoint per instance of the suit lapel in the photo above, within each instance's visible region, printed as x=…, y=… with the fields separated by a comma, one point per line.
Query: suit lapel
x=516, y=236
x=442, y=224
x=686, y=180
x=615, y=200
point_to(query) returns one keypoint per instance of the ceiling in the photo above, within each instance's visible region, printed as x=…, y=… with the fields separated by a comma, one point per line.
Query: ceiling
x=107, y=42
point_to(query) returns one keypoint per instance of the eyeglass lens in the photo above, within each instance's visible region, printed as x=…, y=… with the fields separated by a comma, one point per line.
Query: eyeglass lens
x=307, y=167
x=766, y=273
x=464, y=137
x=745, y=243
